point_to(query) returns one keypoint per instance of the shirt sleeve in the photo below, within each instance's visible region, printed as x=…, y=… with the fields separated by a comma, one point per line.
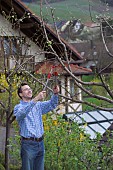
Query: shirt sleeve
x=49, y=105
x=20, y=111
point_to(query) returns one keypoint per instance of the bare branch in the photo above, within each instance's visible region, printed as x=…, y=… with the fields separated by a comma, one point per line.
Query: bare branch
x=104, y=42
x=1, y=103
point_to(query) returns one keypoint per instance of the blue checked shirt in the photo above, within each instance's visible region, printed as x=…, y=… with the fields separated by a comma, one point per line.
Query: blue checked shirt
x=29, y=116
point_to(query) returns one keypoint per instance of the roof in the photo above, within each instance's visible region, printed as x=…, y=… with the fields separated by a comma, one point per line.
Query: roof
x=45, y=68
x=96, y=121
x=92, y=24
x=96, y=53
x=60, y=24
x=31, y=26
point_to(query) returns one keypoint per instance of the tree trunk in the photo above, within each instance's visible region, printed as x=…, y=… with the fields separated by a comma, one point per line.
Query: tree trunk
x=7, y=143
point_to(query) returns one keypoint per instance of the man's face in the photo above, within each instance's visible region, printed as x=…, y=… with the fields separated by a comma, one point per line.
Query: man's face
x=26, y=93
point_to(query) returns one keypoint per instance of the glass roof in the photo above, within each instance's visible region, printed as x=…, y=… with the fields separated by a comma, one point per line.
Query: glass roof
x=96, y=121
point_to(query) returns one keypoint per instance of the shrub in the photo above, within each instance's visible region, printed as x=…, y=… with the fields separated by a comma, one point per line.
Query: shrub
x=68, y=147
x=14, y=167
x=2, y=167
x=2, y=158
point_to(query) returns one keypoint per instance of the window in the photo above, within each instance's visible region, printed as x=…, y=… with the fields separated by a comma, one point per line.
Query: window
x=15, y=47
x=82, y=53
x=73, y=89
x=1, y=48
x=10, y=46
x=11, y=53
x=6, y=46
x=108, y=31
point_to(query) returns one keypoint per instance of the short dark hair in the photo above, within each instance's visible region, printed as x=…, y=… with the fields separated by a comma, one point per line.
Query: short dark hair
x=20, y=89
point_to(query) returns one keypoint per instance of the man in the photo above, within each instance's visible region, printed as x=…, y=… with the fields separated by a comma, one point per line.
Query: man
x=29, y=116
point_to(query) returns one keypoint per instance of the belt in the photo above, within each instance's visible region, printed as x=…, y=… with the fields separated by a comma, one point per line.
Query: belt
x=34, y=139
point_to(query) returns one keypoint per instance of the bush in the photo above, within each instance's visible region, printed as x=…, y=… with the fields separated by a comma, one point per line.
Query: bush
x=14, y=167
x=2, y=167
x=68, y=147
x=2, y=158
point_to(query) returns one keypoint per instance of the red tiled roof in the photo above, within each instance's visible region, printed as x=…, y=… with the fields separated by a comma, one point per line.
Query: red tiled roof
x=45, y=68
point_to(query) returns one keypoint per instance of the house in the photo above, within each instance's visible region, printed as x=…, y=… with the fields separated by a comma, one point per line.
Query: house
x=76, y=31
x=69, y=29
x=23, y=42
x=108, y=2
x=31, y=31
x=86, y=38
x=96, y=57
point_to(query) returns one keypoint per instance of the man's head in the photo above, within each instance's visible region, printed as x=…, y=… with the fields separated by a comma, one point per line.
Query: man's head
x=25, y=92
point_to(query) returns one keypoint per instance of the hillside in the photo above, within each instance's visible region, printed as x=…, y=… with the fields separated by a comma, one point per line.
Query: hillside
x=70, y=9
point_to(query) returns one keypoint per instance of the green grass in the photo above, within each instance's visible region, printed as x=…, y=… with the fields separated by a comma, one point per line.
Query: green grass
x=96, y=90
x=70, y=9
x=88, y=78
x=95, y=102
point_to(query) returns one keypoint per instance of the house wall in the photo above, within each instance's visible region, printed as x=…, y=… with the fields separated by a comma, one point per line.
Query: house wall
x=75, y=106
x=72, y=106
x=29, y=48
x=62, y=107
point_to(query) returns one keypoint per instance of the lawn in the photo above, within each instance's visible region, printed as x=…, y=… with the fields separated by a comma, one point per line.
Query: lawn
x=70, y=9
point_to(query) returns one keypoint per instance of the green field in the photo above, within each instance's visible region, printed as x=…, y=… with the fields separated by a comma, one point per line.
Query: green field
x=70, y=9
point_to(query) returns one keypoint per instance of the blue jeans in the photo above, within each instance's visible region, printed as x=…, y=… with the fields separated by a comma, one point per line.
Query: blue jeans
x=32, y=154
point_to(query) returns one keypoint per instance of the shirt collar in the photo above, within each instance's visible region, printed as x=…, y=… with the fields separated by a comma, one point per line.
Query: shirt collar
x=23, y=102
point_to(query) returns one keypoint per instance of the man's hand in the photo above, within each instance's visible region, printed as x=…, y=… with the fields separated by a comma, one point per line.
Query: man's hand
x=40, y=96
x=56, y=89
